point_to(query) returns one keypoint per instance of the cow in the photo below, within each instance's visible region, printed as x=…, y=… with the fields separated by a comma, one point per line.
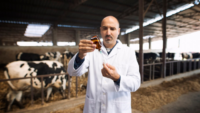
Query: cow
x=53, y=56
x=30, y=57
x=22, y=69
x=149, y=57
x=169, y=55
x=66, y=57
x=195, y=55
x=186, y=56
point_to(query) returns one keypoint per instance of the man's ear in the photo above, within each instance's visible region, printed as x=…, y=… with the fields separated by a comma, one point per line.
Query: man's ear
x=118, y=31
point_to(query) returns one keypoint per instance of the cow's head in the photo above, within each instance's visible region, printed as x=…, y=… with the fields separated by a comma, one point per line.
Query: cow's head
x=60, y=83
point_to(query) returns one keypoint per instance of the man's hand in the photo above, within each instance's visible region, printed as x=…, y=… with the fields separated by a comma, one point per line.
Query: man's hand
x=109, y=71
x=85, y=46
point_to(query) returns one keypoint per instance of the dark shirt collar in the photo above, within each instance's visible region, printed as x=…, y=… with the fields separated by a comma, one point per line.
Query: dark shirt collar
x=109, y=50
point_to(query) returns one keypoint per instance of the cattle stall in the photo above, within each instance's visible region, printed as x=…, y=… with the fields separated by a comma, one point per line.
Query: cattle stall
x=75, y=87
x=153, y=71
x=34, y=99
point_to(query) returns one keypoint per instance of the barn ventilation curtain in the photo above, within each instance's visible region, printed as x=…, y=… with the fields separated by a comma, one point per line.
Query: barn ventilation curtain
x=36, y=30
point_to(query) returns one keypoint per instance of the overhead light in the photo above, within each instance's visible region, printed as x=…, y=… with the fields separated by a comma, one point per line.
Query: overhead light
x=135, y=39
x=33, y=43
x=145, y=37
x=36, y=30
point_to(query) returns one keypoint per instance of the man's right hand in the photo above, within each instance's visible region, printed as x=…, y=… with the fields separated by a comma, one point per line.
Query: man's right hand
x=85, y=46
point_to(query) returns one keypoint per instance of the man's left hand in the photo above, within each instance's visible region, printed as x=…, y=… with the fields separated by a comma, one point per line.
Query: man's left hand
x=109, y=71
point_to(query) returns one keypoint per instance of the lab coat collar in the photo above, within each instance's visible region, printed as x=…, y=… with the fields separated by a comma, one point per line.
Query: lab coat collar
x=114, y=51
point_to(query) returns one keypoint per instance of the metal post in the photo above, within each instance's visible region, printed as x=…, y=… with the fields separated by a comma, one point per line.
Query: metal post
x=54, y=35
x=199, y=64
x=149, y=72
x=149, y=42
x=141, y=10
x=31, y=90
x=153, y=70
x=178, y=67
x=42, y=91
x=69, y=86
x=164, y=38
x=77, y=36
x=128, y=39
x=172, y=68
x=195, y=64
x=185, y=63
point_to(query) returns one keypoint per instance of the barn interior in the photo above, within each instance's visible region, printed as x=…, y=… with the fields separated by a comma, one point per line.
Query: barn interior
x=68, y=21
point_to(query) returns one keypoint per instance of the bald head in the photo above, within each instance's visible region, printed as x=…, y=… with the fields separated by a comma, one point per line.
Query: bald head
x=109, y=31
x=110, y=19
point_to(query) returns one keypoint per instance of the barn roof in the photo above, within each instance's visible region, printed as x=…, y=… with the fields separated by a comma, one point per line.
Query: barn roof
x=16, y=14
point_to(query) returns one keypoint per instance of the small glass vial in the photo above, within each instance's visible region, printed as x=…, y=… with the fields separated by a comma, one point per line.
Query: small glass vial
x=96, y=41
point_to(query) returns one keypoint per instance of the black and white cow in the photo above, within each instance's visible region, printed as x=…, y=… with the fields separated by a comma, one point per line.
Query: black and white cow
x=53, y=56
x=169, y=55
x=30, y=57
x=149, y=57
x=66, y=57
x=186, y=55
x=20, y=69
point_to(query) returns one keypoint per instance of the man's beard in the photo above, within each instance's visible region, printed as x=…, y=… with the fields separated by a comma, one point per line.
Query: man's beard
x=108, y=41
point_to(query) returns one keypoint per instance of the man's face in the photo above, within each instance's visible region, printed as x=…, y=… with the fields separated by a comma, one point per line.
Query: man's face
x=109, y=31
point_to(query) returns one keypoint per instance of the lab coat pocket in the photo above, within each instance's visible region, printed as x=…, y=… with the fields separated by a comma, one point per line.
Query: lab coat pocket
x=120, y=102
x=89, y=106
x=122, y=107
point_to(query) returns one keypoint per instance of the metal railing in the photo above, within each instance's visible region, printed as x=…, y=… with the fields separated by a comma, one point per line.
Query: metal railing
x=181, y=66
x=151, y=74
x=42, y=87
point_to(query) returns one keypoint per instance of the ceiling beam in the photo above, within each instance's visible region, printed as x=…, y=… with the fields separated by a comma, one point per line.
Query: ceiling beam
x=71, y=7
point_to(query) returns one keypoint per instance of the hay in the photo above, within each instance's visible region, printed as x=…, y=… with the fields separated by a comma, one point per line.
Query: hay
x=151, y=98
x=144, y=99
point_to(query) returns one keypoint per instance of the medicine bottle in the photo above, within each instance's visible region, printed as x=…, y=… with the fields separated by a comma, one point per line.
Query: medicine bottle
x=96, y=41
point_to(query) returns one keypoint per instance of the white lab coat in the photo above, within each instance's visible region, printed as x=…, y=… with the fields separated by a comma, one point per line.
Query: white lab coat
x=112, y=98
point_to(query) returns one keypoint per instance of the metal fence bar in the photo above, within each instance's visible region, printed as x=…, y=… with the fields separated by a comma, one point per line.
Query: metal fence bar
x=69, y=87
x=195, y=64
x=172, y=66
x=199, y=63
x=184, y=69
x=149, y=72
x=31, y=91
x=190, y=68
x=42, y=91
x=153, y=70
x=178, y=67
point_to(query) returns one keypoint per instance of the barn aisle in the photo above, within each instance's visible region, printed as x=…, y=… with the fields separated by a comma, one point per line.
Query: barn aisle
x=187, y=103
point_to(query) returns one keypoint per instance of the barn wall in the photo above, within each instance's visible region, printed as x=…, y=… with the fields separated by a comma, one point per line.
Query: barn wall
x=8, y=53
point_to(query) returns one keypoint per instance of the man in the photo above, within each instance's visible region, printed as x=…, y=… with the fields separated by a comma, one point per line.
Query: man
x=110, y=82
